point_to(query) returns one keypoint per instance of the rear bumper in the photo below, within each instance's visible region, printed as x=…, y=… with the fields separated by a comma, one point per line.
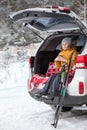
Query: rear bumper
x=75, y=100
x=68, y=101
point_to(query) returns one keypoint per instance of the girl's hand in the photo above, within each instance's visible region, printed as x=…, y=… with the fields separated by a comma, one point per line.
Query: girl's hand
x=60, y=58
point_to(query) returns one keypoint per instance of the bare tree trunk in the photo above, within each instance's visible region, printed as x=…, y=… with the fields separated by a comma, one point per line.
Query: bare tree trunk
x=84, y=10
x=63, y=3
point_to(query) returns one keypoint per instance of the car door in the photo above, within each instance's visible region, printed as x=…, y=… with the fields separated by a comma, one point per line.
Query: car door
x=48, y=19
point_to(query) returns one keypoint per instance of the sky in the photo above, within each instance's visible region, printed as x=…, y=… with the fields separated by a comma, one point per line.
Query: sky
x=19, y=111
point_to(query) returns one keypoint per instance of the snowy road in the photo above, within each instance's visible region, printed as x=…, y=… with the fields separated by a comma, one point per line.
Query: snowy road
x=18, y=111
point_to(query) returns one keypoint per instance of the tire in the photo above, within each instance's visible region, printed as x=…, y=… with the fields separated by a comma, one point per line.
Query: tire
x=64, y=109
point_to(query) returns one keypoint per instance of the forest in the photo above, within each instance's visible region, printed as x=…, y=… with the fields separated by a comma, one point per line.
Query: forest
x=16, y=32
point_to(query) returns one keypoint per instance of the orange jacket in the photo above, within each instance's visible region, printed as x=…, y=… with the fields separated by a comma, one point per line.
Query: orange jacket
x=66, y=54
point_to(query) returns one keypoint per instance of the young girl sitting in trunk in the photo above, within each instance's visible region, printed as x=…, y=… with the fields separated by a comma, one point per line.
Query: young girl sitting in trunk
x=51, y=87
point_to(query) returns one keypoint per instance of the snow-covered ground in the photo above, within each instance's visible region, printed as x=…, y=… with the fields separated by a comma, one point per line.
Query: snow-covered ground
x=18, y=111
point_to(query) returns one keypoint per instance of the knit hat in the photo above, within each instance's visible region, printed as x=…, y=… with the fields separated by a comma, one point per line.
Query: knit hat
x=67, y=40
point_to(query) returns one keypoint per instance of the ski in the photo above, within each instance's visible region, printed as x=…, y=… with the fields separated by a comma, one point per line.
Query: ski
x=63, y=87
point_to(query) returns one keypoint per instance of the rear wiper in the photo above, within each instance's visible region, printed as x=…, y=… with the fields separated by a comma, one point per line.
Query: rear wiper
x=37, y=34
x=26, y=25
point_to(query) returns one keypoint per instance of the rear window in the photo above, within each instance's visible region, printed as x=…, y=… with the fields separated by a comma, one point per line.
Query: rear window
x=50, y=21
x=53, y=43
x=80, y=42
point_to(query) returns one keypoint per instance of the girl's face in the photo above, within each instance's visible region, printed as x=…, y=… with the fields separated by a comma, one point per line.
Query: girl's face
x=65, y=46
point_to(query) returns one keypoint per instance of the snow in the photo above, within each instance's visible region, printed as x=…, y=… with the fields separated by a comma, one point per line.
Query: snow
x=19, y=111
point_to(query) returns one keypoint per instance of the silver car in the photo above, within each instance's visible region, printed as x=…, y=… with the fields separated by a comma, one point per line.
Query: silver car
x=53, y=24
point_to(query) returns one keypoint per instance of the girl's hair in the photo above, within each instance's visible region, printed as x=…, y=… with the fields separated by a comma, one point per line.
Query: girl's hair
x=71, y=42
x=66, y=40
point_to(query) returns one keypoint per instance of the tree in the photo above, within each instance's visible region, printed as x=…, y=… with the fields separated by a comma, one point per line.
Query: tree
x=85, y=7
x=78, y=6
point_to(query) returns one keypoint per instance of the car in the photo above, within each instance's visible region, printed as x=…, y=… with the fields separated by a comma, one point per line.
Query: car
x=55, y=23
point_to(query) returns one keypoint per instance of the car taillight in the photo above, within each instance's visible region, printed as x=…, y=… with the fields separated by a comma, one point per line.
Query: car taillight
x=81, y=61
x=64, y=9
x=81, y=87
x=61, y=9
x=55, y=7
x=31, y=61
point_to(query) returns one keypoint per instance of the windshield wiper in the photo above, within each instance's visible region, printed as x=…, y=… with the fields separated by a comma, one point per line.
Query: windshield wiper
x=26, y=25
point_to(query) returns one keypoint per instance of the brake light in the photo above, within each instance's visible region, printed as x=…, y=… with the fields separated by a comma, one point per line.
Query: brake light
x=81, y=87
x=81, y=61
x=55, y=7
x=61, y=9
x=64, y=9
x=31, y=61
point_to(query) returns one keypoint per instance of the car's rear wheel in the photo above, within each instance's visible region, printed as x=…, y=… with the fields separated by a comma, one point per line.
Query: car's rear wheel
x=64, y=109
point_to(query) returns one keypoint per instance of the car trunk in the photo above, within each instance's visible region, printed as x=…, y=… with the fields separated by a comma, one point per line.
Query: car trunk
x=50, y=49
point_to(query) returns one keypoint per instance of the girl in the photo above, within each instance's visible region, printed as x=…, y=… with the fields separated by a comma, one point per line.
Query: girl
x=51, y=87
